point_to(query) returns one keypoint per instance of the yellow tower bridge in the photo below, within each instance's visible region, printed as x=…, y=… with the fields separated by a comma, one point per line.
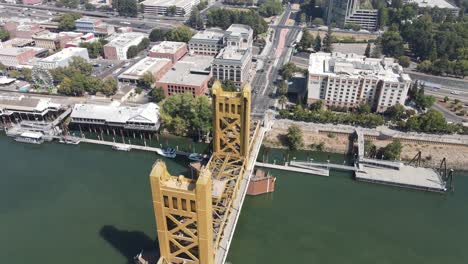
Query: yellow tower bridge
x=196, y=218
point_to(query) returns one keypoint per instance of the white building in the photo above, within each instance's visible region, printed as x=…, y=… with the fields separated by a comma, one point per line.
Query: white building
x=435, y=3
x=207, y=42
x=362, y=13
x=349, y=80
x=142, y=117
x=63, y=58
x=156, y=66
x=11, y=106
x=118, y=44
x=160, y=7
x=239, y=36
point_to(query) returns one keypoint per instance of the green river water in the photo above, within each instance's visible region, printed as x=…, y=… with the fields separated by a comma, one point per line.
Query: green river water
x=89, y=204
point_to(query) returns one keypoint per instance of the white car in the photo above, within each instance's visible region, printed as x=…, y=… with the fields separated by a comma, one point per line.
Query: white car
x=455, y=92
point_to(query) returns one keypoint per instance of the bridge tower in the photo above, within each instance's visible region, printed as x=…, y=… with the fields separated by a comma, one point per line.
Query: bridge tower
x=192, y=214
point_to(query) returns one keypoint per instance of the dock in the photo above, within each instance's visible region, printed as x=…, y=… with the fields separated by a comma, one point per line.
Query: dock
x=311, y=170
x=418, y=178
x=315, y=165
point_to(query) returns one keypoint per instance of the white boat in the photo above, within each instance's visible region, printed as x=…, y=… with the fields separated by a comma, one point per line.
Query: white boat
x=72, y=141
x=168, y=152
x=30, y=137
x=122, y=147
x=196, y=157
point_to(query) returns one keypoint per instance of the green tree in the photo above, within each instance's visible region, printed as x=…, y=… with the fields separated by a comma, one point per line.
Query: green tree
x=392, y=151
x=432, y=121
x=368, y=50
x=195, y=20
x=157, y=35
x=282, y=100
x=302, y=18
x=132, y=52
x=109, y=87
x=224, y=17
x=377, y=50
x=127, y=8
x=392, y=44
x=270, y=8
x=317, y=21
x=283, y=88
x=446, y=99
x=287, y=70
x=95, y=49
x=4, y=35
x=27, y=74
x=306, y=41
x=318, y=43
x=67, y=21
x=294, y=137
x=81, y=65
x=89, y=7
x=202, y=5
x=383, y=17
x=157, y=95
x=229, y=85
x=395, y=112
x=364, y=109
x=171, y=10
x=146, y=81
x=328, y=41
x=144, y=43
x=180, y=34
x=404, y=61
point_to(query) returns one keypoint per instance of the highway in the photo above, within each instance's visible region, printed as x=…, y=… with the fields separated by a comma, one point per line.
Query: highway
x=262, y=83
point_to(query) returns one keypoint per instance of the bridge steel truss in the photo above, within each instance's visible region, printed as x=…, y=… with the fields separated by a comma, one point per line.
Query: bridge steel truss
x=196, y=218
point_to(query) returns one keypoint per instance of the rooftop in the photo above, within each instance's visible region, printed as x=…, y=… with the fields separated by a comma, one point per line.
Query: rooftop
x=231, y=53
x=167, y=3
x=355, y=66
x=87, y=20
x=26, y=103
x=434, y=3
x=167, y=47
x=147, y=113
x=147, y=64
x=210, y=33
x=238, y=29
x=64, y=54
x=191, y=70
x=123, y=39
x=13, y=51
x=48, y=36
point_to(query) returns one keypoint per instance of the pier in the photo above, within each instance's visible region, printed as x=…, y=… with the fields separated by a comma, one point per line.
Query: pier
x=309, y=170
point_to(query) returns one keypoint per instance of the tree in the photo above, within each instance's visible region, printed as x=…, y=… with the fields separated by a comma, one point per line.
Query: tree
x=171, y=10
x=395, y=112
x=81, y=65
x=318, y=43
x=157, y=35
x=392, y=44
x=364, y=109
x=287, y=70
x=127, y=7
x=67, y=21
x=146, y=81
x=224, y=17
x=328, y=41
x=202, y=5
x=404, y=61
x=144, y=43
x=282, y=100
x=132, y=52
x=270, y=8
x=195, y=20
x=283, y=88
x=383, y=17
x=4, y=35
x=294, y=137
x=27, y=74
x=392, y=151
x=156, y=95
x=179, y=34
x=367, y=51
x=229, y=85
x=95, y=49
x=306, y=41
x=109, y=87
x=89, y=7
x=302, y=18
x=317, y=21
x=377, y=50
x=446, y=99
x=432, y=121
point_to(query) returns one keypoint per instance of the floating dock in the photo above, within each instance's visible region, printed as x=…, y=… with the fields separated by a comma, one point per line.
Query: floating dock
x=311, y=170
x=419, y=178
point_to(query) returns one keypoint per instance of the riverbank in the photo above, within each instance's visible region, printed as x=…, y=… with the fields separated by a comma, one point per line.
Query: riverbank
x=337, y=139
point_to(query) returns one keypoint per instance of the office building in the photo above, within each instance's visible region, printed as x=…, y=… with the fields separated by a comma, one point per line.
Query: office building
x=349, y=80
x=232, y=64
x=161, y=7
x=93, y=25
x=207, y=42
x=16, y=57
x=239, y=36
x=443, y=4
x=342, y=12
x=156, y=66
x=191, y=74
x=118, y=45
x=170, y=50
x=62, y=58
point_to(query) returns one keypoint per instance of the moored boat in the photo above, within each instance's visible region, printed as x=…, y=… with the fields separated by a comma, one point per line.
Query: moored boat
x=196, y=157
x=30, y=137
x=122, y=147
x=167, y=152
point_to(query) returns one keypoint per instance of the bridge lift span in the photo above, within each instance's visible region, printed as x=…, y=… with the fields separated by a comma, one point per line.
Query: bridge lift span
x=196, y=217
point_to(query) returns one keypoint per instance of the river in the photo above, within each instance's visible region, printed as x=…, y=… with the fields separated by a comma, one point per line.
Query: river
x=89, y=204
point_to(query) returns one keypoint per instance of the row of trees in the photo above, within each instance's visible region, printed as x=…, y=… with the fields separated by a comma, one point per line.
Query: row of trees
x=95, y=48
x=391, y=151
x=126, y=7
x=133, y=51
x=430, y=122
x=183, y=114
x=223, y=18
x=270, y=8
x=75, y=80
x=308, y=41
x=180, y=34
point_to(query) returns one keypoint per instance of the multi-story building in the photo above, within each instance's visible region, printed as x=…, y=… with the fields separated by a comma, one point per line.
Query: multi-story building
x=93, y=25
x=232, y=64
x=15, y=57
x=170, y=50
x=62, y=58
x=349, y=80
x=207, y=42
x=156, y=66
x=189, y=75
x=118, y=44
x=239, y=36
x=342, y=12
x=50, y=41
x=162, y=7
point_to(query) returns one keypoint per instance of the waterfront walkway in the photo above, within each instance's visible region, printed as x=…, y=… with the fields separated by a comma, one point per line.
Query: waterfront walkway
x=311, y=170
x=314, y=165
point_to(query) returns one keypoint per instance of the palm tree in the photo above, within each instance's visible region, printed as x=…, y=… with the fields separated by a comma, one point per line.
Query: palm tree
x=282, y=100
